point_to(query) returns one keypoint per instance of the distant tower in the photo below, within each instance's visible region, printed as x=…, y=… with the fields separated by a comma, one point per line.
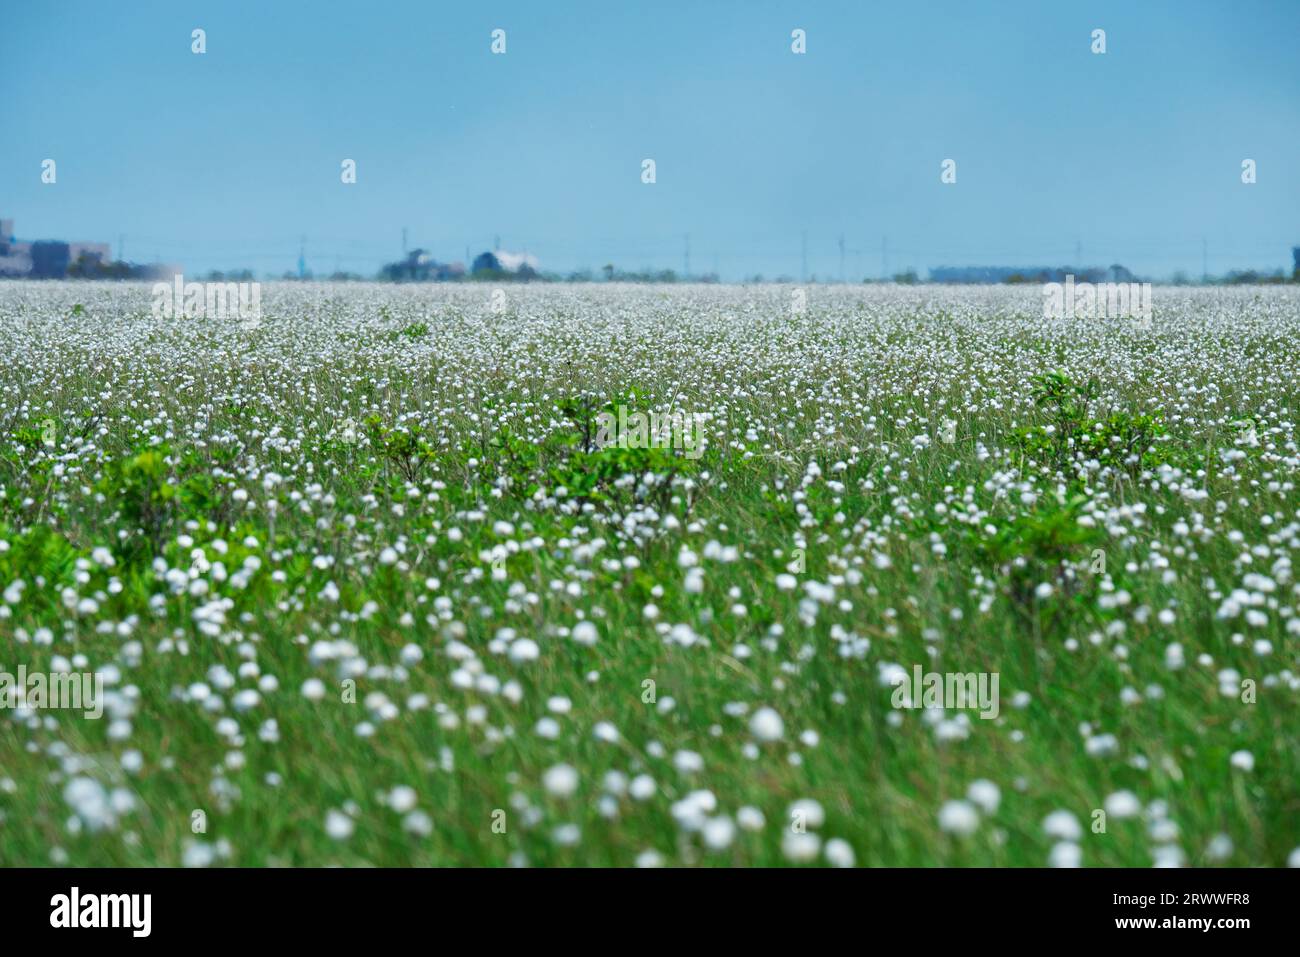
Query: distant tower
x=302, y=258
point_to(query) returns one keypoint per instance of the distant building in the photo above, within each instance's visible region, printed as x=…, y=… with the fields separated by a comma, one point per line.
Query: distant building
x=45, y=259
x=15, y=257
x=50, y=259
x=419, y=266
x=500, y=261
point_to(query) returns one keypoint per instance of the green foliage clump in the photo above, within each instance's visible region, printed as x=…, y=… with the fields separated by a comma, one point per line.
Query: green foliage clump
x=589, y=462
x=403, y=448
x=1122, y=439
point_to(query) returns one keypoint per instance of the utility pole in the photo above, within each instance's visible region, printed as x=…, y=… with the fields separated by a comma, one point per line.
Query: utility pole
x=803, y=273
x=841, y=257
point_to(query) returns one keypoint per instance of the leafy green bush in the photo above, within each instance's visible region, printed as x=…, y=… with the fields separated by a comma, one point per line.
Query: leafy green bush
x=1122, y=439
x=404, y=449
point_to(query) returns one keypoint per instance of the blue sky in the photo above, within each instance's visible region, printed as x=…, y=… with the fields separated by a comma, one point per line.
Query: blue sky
x=225, y=159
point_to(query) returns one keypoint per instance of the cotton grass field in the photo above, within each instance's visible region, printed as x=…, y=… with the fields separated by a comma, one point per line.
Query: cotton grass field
x=366, y=585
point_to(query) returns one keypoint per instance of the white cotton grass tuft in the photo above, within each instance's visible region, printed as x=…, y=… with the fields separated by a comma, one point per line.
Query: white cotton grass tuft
x=839, y=853
x=808, y=813
x=750, y=818
x=958, y=817
x=1065, y=854
x=985, y=795
x=560, y=781
x=800, y=848
x=1219, y=849
x=766, y=725
x=523, y=650
x=1062, y=825
x=718, y=832
x=1122, y=805
x=338, y=825
x=688, y=762
x=650, y=858
x=402, y=798
x=418, y=823
x=1168, y=855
